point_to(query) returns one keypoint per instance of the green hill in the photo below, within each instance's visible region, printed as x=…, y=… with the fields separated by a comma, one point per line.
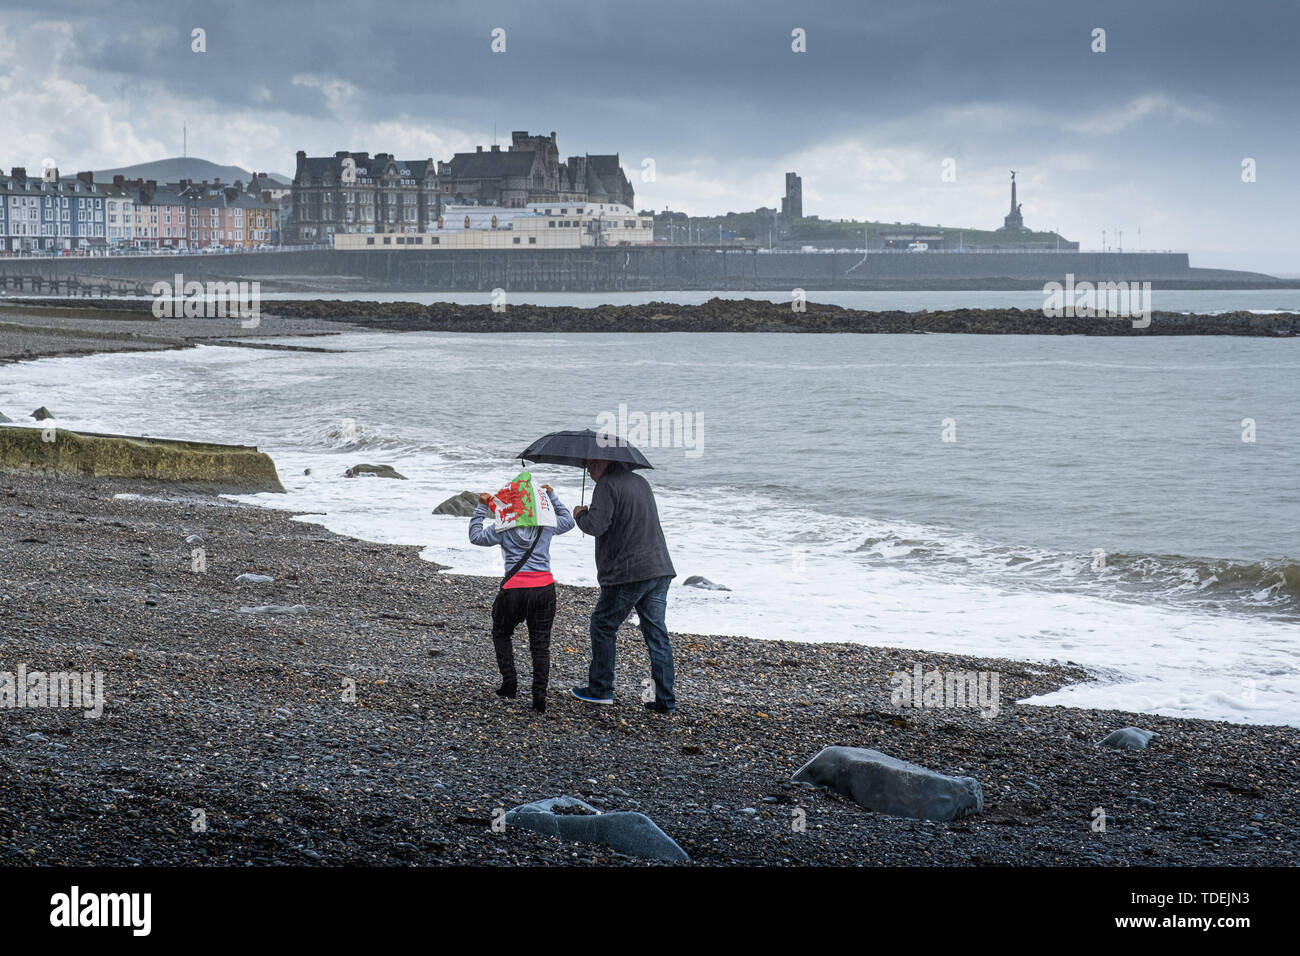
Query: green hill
x=183, y=167
x=851, y=233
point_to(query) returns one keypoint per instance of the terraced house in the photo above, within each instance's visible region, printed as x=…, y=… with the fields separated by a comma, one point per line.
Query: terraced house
x=228, y=216
x=144, y=216
x=120, y=217
x=49, y=213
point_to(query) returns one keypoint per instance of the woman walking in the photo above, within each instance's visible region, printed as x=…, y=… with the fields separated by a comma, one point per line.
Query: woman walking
x=527, y=517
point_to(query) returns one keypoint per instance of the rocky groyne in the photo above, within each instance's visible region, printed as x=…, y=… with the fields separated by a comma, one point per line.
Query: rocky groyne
x=753, y=315
x=716, y=315
x=57, y=451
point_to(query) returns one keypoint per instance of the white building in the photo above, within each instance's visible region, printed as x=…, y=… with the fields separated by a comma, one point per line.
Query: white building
x=121, y=215
x=553, y=225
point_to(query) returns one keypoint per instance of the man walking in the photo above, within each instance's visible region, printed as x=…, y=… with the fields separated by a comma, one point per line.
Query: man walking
x=634, y=571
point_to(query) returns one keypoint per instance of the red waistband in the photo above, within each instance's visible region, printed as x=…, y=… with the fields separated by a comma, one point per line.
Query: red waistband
x=530, y=579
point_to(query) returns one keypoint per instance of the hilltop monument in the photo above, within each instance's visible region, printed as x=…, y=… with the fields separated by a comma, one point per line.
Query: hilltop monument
x=1013, y=222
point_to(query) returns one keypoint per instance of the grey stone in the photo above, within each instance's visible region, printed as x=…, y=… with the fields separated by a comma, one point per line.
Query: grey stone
x=698, y=581
x=247, y=578
x=461, y=505
x=42, y=413
x=379, y=471
x=888, y=785
x=1127, y=738
x=571, y=819
x=274, y=609
x=5, y=418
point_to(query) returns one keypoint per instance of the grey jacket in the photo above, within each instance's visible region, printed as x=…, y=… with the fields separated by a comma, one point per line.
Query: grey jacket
x=623, y=519
x=514, y=542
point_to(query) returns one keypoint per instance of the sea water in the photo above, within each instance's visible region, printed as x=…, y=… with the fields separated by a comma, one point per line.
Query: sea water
x=1128, y=504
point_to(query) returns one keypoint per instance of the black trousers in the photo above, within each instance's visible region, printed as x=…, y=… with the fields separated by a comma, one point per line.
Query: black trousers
x=537, y=607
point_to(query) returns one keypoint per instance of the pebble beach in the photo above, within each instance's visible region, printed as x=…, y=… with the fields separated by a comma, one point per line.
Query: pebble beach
x=360, y=726
x=245, y=716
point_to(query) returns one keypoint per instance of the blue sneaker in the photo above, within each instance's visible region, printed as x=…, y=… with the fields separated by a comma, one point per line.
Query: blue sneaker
x=591, y=696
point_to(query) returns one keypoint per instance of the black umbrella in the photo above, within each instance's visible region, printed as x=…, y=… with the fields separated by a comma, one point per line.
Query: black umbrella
x=576, y=448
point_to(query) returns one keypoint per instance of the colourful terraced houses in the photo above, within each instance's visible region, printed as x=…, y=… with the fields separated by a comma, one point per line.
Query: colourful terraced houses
x=51, y=213
x=54, y=215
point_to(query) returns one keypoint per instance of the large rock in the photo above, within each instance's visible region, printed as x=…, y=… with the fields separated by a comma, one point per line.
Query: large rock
x=888, y=785
x=237, y=468
x=1127, y=738
x=571, y=819
x=699, y=581
x=5, y=418
x=379, y=471
x=461, y=505
x=294, y=609
x=42, y=413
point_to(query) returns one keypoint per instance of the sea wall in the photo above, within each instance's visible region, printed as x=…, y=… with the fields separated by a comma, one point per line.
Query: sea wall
x=635, y=268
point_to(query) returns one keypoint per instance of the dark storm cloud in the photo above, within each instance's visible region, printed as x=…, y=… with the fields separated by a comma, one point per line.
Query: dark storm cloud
x=1151, y=133
x=725, y=68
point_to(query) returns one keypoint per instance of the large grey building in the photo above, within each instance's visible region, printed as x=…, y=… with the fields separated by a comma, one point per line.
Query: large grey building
x=357, y=193
x=530, y=171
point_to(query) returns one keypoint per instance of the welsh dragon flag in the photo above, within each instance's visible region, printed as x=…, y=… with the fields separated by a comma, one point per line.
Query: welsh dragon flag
x=522, y=504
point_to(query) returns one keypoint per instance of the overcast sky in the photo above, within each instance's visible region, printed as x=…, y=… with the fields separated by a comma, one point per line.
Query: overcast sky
x=1149, y=135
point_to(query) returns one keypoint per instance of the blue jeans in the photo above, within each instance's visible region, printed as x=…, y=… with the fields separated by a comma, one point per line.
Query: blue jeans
x=650, y=598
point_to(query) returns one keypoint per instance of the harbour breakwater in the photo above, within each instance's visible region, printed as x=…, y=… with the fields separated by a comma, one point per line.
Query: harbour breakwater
x=619, y=268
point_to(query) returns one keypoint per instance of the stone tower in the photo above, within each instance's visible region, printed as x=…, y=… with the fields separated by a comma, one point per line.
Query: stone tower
x=792, y=202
